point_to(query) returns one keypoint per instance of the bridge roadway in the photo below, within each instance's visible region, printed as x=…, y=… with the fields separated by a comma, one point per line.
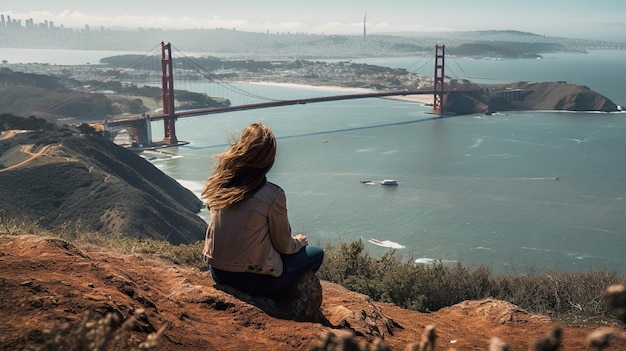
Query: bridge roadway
x=213, y=110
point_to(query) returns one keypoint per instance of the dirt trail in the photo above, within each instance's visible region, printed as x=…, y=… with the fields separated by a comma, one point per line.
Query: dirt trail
x=25, y=149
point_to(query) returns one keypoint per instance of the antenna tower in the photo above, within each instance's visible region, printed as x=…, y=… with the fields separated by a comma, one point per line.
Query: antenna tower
x=364, y=26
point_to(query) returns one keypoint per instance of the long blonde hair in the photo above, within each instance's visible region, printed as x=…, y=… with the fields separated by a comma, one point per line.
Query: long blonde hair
x=240, y=171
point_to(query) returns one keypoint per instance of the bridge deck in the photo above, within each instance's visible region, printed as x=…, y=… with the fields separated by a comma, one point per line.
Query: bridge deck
x=213, y=110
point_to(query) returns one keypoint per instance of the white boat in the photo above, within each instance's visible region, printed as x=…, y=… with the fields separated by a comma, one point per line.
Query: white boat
x=427, y=261
x=386, y=243
x=388, y=182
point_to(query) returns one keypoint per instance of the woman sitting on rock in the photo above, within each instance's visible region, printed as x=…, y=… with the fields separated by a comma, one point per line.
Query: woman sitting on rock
x=248, y=243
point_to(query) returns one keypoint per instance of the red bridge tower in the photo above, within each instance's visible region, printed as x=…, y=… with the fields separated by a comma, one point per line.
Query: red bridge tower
x=439, y=76
x=169, y=122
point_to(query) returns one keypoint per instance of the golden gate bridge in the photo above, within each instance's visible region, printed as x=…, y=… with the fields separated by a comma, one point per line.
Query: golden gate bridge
x=139, y=127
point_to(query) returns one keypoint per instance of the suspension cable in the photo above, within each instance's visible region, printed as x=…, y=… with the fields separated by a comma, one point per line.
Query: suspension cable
x=212, y=77
x=421, y=67
x=465, y=77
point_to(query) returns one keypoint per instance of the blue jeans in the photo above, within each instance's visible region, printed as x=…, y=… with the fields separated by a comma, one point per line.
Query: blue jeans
x=309, y=258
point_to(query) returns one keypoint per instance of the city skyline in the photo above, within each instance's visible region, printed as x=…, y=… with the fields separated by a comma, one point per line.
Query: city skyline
x=598, y=20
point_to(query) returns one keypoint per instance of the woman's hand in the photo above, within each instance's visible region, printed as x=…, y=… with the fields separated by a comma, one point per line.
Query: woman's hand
x=302, y=239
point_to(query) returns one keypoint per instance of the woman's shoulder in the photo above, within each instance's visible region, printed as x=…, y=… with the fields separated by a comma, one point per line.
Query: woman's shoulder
x=270, y=193
x=273, y=187
x=271, y=190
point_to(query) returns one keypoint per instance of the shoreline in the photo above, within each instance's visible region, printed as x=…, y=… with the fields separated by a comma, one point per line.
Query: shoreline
x=420, y=99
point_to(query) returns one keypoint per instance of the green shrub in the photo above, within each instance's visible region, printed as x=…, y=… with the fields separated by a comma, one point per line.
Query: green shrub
x=572, y=297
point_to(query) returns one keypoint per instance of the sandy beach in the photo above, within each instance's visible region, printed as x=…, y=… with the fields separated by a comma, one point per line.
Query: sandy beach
x=420, y=99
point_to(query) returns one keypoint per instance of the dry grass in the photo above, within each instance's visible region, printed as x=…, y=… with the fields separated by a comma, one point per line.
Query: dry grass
x=92, y=334
x=77, y=233
x=598, y=340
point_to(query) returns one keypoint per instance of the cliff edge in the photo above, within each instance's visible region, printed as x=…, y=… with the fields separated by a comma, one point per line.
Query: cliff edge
x=48, y=287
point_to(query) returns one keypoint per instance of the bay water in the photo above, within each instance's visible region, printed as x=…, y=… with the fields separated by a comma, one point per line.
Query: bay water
x=511, y=190
x=514, y=190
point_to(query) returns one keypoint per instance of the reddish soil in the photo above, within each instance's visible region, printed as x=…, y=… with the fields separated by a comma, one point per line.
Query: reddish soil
x=45, y=282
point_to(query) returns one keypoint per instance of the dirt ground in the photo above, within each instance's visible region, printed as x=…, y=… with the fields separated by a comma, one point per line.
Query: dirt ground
x=46, y=282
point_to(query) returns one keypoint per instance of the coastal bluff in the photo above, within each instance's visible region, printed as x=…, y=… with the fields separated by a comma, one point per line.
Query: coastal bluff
x=528, y=96
x=58, y=177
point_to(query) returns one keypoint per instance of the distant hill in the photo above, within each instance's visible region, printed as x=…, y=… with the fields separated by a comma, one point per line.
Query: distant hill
x=505, y=49
x=63, y=97
x=528, y=96
x=223, y=42
x=55, y=176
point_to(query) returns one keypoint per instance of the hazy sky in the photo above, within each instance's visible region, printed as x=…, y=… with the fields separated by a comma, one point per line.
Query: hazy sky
x=589, y=19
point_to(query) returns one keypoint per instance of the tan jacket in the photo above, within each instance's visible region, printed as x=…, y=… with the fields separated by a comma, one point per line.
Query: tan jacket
x=251, y=235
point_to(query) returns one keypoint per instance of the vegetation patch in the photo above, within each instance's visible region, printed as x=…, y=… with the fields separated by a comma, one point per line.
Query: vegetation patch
x=570, y=297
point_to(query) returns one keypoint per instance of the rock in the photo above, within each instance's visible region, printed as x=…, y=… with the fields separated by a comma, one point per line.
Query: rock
x=300, y=302
x=499, y=312
x=465, y=103
x=369, y=322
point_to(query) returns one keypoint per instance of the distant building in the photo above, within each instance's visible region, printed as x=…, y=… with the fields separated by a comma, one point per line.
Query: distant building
x=29, y=23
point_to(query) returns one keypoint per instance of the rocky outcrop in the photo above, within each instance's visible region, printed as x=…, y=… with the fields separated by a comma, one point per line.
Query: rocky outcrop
x=528, y=96
x=52, y=292
x=465, y=103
